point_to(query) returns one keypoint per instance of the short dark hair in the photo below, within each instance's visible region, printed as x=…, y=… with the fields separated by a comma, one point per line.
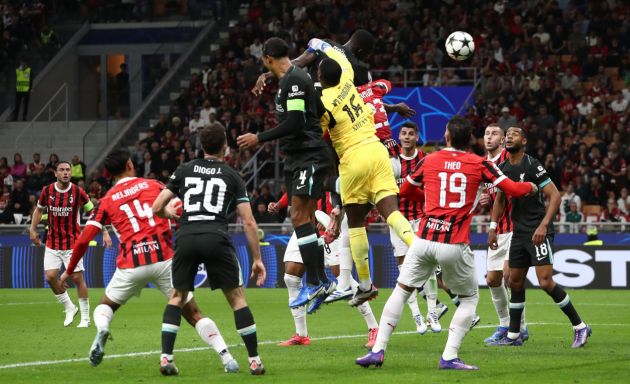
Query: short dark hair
x=62, y=162
x=212, y=138
x=116, y=162
x=364, y=41
x=276, y=48
x=330, y=71
x=460, y=130
x=410, y=124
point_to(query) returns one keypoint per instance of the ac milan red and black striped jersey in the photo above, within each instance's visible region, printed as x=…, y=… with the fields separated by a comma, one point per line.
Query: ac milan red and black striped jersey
x=411, y=210
x=372, y=94
x=63, y=214
x=324, y=204
x=144, y=238
x=505, y=221
x=451, y=181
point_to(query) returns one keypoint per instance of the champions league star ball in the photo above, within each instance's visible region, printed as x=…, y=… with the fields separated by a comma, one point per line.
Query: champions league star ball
x=459, y=45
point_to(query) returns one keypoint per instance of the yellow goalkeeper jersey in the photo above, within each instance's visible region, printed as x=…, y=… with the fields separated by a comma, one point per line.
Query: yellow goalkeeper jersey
x=348, y=120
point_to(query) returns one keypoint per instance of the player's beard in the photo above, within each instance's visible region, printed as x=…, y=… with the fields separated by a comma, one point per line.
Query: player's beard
x=515, y=148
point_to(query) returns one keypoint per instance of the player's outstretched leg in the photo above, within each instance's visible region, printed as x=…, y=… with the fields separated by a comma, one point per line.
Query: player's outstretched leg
x=246, y=328
x=311, y=253
x=517, y=304
x=103, y=315
x=581, y=330
x=84, y=303
x=459, y=327
x=389, y=320
x=61, y=294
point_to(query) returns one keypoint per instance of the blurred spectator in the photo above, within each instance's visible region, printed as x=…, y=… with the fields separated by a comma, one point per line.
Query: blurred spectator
x=77, y=168
x=506, y=120
x=18, y=169
x=35, y=165
x=574, y=217
x=23, y=85
x=19, y=203
x=624, y=201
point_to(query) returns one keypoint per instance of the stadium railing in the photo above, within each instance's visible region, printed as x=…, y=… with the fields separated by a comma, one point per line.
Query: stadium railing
x=416, y=77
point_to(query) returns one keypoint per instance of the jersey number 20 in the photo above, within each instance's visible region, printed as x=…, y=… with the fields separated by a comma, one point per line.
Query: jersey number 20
x=213, y=192
x=456, y=183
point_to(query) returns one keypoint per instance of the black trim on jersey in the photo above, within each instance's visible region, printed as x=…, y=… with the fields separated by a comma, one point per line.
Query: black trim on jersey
x=57, y=222
x=158, y=251
x=136, y=259
x=490, y=168
x=123, y=247
x=146, y=253
x=436, y=234
x=447, y=237
x=425, y=229
x=332, y=122
x=75, y=206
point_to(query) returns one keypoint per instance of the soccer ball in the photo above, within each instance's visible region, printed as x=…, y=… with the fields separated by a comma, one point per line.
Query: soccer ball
x=459, y=45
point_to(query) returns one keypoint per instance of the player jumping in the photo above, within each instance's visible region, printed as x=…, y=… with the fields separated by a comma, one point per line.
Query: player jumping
x=451, y=179
x=532, y=239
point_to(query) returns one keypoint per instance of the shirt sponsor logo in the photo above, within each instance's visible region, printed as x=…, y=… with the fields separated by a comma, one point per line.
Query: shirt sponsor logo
x=438, y=225
x=145, y=247
x=296, y=93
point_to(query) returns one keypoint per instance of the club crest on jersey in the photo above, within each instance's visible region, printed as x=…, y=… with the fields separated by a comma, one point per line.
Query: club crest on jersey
x=70, y=200
x=201, y=276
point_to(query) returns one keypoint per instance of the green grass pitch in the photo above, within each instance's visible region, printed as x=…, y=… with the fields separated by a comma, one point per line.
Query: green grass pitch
x=31, y=333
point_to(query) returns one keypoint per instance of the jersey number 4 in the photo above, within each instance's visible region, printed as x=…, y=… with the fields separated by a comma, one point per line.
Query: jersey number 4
x=212, y=192
x=456, y=183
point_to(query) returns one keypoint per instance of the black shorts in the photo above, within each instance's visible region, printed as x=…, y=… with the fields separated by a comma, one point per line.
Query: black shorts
x=523, y=253
x=306, y=173
x=216, y=251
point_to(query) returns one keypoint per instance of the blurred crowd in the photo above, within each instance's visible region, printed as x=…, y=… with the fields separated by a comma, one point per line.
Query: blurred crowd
x=558, y=68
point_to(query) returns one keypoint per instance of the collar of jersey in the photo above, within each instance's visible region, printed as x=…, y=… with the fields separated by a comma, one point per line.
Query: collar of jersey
x=415, y=154
x=453, y=149
x=63, y=190
x=496, y=157
x=125, y=179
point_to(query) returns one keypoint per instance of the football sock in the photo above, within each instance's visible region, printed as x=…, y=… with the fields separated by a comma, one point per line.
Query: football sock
x=310, y=251
x=360, y=254
x=460, y=325
x=65, y=300
x=294, y=284
x=321, y=267
x=84, y=305
x=366, y=311
x=210, y=334
x=431, y=292
x=345, y=266
x=523, y=321
x=454, y=297
x=246, y=327
x=390, y=317
x=563, y=300
x=401, y=226
x=170, y=325
x=413, y=301
x=517, y=304
x=103, y=315
x=500, y=301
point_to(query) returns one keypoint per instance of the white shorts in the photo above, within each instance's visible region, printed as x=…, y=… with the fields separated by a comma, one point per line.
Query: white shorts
x=496, y=257
x=457, y=262
x=331, y=252
x=400, y=247
x=53, y=258
x=129, y=282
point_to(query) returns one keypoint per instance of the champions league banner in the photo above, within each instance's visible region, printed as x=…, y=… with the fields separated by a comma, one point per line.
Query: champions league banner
x=575, y=266
x=434, y=107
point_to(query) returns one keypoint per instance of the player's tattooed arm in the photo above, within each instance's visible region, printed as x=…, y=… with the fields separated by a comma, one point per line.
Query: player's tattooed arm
x=244, y=211
x=551, y=192
x=161, y=206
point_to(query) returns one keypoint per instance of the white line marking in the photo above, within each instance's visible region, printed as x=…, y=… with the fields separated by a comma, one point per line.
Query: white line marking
x=30, y=303
x=268, y=342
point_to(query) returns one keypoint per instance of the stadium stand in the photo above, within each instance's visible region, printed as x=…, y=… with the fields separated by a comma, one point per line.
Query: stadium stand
x=560, y=72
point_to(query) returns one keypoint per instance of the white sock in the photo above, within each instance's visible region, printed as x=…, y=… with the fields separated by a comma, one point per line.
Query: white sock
x=65, y=300
x=345, y=258
x=413, y=301
x=210, y=334
x=169, y=358
x=255, y=358
x=431, y=290
x=460, y=325
x=366, y=311
x=500, y=301
x=390, y=317
x=343, y=280
x=103, y=315
x=523, y=321
x=84, y=304
x=294, y=284
x=354, y=285
x=579, y=326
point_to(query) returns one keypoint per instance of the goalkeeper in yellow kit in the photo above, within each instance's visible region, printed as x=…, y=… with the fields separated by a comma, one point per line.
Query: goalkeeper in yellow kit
x=365, y=172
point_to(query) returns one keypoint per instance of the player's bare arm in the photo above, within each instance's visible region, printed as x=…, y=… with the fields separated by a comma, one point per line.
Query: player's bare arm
x=401, y=108
x=497, y=210
x=161, y=206
x=78, y=250
x=244, y=211
x=551, y=192
x=35, y=220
